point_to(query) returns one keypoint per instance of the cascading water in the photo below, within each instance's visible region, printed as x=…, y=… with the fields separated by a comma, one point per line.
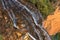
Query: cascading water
x=31, y=17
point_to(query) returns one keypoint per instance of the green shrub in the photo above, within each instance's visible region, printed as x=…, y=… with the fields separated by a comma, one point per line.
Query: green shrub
x=44, y=6
x=1, y=37
x=56, y=37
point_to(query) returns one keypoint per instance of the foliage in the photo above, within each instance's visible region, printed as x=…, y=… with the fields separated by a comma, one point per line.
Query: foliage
x=1, y=37
x=56, y=37
x=44, y=6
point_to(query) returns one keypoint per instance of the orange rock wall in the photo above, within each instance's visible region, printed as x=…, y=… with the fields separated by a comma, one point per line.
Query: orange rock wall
x=52, y=23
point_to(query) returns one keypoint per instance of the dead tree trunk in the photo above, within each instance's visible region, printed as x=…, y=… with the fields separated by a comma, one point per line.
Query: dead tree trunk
x=30, y=16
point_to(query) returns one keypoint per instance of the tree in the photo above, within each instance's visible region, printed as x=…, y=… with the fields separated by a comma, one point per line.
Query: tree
x=29, y=19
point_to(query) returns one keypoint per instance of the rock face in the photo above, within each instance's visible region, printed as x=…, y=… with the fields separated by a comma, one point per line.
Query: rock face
x=52, y=23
